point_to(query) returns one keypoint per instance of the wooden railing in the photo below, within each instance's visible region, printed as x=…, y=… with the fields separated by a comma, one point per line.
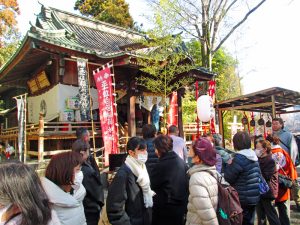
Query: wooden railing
x=51, y=129
x=191, y=128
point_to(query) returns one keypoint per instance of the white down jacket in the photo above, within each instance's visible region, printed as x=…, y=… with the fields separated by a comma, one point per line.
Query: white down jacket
x=69, y=208
x=203, y=198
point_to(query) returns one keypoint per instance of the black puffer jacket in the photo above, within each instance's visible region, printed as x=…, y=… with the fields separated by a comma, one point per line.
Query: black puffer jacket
x=125, y=203
x=269, y=172
x=152, y=157
x=243, y=175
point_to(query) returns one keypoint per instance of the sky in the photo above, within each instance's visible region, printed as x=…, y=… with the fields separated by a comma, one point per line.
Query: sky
x=267, y=46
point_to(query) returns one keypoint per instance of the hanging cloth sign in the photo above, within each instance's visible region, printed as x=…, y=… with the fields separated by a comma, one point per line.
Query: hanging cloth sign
x=173, y=111
x=21, y=125
x=107, y=111
x=211, y=93
x=84, y=99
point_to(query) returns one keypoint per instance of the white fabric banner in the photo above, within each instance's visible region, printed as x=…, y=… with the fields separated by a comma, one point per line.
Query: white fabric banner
x=53, y=103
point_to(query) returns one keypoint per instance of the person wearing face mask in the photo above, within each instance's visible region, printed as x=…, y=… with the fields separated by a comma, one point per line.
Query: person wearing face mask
x=22, y=197
x=170, y=183
x=265, y=207
x=129, y=199
x=203, y=198
x=62, y=186
x=285, y=167
x=94, y=199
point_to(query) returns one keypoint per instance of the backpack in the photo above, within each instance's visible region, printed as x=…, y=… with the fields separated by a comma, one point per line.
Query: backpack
x=229, y=210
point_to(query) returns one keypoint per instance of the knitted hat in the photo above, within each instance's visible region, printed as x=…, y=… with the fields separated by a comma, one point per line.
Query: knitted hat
x=204, y=149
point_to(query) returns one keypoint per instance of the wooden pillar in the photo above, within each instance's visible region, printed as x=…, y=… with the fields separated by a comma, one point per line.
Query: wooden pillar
x=131, y=114
x=221, y=129
x=41, y=139
x=180, y=121
x=273, y=106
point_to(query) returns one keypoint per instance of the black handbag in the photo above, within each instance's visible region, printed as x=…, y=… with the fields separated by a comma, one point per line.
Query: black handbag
x=284, y=180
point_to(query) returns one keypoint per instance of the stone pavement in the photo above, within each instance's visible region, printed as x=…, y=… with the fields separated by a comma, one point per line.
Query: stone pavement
x=295, y=215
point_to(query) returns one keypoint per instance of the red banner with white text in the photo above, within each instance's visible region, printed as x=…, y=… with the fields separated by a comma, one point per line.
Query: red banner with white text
x=107, y=111
x=173, y=110
x=212, y=94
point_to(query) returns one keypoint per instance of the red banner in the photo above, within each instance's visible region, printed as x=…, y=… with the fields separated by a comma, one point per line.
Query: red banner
x=173, y=111
x=107, y=111
x=211, y=93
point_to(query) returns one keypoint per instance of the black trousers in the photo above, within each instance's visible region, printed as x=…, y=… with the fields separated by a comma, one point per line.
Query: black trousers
x=248, y=214
x=92, y=218
x=265, y=209
x=169, y=215
x=283, y=213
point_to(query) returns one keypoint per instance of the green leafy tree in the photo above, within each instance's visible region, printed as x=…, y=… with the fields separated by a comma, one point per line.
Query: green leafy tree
x=228, y=84
x=9, y=36
x=163, y=58
x=210, y=22
x=111, y=11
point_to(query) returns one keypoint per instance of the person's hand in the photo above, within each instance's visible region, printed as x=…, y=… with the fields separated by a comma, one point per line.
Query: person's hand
x=229, y=161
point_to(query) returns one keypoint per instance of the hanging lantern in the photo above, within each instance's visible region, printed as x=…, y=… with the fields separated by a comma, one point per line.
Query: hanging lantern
x=252, y=121
x=245, y=120
x=268, y=123
x=205, y=108
x=261, y=121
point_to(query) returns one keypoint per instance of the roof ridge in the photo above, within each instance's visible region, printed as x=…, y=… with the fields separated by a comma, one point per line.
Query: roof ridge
x=128, y=30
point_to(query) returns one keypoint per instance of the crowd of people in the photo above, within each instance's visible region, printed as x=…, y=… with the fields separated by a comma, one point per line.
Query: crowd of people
x=156, y=184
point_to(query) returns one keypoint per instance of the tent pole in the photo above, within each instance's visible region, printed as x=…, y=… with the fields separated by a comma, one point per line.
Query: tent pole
x=273, y=106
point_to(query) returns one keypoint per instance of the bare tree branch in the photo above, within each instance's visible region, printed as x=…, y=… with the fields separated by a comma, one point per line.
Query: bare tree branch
x=237, y=25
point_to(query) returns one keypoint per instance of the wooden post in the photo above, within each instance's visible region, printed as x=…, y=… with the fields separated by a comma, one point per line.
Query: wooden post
x=126, y=131
x=41, y=139
x=273, y=106
x=221, y=130
x=131, y=114
x=180, y=121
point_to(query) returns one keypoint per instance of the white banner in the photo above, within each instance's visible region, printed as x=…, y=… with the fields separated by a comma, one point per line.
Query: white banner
x=21, y=123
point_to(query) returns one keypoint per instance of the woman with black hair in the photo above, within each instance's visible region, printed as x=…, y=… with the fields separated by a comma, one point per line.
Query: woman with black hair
x=170, y=183
x=129, y=199
x=22, y=197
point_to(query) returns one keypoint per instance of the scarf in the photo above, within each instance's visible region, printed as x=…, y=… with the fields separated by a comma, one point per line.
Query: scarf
x=140, y=171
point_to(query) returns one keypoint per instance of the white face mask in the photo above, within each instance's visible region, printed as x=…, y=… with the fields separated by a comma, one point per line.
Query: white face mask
x=258, y=152
x=77, y=180
x=142, y=157
x=2, y=211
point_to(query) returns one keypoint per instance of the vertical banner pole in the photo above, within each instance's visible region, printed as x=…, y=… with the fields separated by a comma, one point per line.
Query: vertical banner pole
x=91, y=110
x=115, y=102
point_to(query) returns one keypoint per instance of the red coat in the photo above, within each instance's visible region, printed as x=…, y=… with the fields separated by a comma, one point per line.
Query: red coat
x=284, y=160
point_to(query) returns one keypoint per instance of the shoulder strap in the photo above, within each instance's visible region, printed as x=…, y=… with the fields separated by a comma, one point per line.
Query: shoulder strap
x=217, y=178
x=284, y=144
x=281, y=168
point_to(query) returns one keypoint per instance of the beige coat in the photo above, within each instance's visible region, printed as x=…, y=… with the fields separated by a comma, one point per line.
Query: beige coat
x=203, y=198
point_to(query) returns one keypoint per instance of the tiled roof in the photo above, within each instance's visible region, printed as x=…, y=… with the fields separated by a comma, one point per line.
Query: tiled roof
x=82, y=34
